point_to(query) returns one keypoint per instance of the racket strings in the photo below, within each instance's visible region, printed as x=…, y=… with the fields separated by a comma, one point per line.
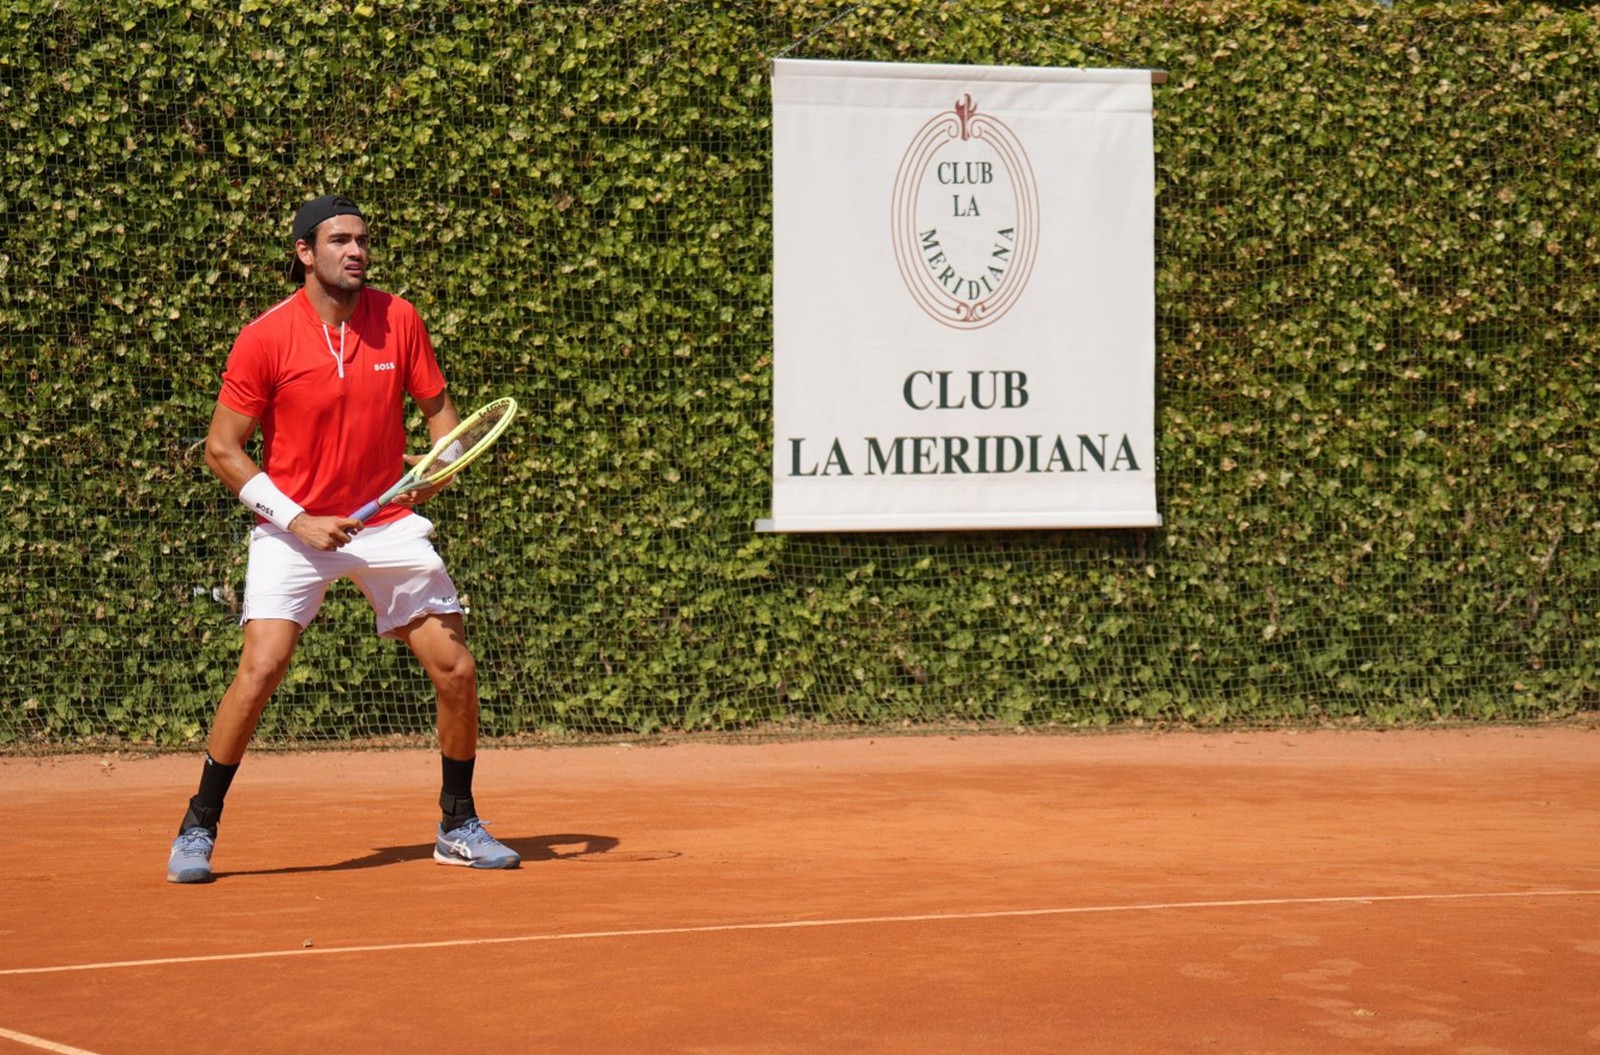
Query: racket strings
x=480, y=430
x=473, y=436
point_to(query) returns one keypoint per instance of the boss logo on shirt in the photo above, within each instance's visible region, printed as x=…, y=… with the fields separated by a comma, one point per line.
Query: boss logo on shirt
x=383, y=366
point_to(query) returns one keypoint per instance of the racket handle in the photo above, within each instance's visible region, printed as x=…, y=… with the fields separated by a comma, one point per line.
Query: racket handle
x=366, y=512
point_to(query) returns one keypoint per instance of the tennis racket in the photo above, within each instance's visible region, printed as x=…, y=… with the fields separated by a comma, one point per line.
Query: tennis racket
x=456, y=450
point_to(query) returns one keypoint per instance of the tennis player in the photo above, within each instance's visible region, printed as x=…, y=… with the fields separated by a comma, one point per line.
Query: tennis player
x=324, y=376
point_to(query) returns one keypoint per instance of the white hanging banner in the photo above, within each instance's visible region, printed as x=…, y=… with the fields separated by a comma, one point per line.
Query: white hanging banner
x=964, y=297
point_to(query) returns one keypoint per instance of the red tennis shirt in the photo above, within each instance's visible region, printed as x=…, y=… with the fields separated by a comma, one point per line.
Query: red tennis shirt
x=331, y=399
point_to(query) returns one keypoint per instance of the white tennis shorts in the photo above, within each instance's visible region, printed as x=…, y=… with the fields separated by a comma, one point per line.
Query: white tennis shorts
x=394, y=565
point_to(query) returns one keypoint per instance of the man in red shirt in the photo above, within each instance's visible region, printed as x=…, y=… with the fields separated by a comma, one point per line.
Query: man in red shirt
x=324, y=375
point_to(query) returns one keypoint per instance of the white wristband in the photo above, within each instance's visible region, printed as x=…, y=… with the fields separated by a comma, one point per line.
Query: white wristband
x=262, y=495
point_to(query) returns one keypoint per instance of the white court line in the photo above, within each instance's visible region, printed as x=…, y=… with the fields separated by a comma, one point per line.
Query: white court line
x=42, y=1044
x=849, y=921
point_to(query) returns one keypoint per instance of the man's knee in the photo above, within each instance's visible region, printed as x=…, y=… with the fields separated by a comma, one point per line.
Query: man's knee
x=259, y=676
x=265, y=659
x=456, y=673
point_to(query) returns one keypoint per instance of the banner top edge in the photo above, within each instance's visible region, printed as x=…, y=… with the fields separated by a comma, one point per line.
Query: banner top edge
x=948, y=71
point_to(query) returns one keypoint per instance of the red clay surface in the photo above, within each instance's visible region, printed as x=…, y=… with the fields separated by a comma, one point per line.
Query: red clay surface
x=1261, y=892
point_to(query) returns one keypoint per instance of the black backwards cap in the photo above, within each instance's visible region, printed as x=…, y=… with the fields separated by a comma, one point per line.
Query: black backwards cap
x=306, y=220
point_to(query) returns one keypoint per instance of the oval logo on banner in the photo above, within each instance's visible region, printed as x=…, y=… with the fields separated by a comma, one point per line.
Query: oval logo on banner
x=965, y=217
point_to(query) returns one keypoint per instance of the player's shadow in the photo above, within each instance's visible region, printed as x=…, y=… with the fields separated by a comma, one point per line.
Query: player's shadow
x=532, y=850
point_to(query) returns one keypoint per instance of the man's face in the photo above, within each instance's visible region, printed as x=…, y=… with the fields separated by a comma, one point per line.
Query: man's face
x=338, y=262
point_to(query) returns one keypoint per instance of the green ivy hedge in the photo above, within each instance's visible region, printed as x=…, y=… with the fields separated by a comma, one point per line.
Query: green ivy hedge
x=1378, y=340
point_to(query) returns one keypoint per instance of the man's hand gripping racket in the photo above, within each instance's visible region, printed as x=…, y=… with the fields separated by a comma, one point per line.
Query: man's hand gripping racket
x=453, y=452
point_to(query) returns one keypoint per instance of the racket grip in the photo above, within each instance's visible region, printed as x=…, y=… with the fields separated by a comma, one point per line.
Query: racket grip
x=366, y=512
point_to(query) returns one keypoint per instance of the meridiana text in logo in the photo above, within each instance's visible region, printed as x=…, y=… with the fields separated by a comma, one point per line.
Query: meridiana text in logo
x=965, y=217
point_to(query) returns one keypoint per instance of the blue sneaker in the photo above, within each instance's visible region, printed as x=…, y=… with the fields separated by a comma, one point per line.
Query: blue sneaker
x=190, y=860
x=472, y=847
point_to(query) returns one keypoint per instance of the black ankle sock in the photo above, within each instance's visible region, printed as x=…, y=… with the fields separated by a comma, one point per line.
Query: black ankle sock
x=205, y=808
x=455, y=794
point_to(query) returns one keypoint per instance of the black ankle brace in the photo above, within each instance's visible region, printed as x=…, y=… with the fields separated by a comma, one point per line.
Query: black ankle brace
x=200, y=816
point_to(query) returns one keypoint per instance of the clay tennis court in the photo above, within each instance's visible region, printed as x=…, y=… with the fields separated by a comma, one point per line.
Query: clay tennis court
x=1258, y=892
